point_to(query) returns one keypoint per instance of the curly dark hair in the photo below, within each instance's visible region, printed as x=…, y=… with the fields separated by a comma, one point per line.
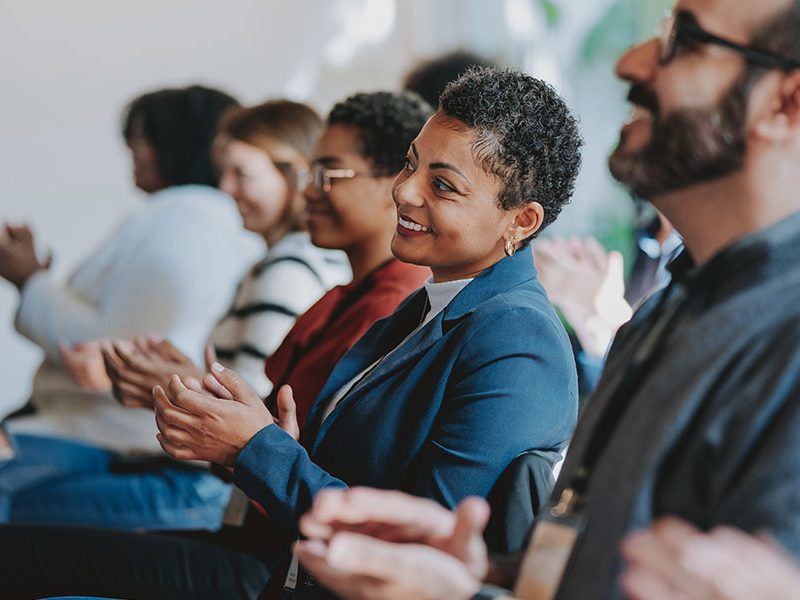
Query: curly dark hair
x=525, y=135
x=180, y=125
x=387, y=123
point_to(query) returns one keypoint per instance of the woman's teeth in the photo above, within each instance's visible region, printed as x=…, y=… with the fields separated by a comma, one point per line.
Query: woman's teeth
x=413, y=226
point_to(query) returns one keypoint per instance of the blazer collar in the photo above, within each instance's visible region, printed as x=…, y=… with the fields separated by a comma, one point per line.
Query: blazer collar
x=387, y=333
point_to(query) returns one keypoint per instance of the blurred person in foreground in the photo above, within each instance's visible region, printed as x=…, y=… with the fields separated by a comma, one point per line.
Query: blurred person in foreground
x=698, y=409
x=151, y=275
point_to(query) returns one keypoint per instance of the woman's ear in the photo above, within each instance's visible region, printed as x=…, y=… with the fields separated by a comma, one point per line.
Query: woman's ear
x=527, y=220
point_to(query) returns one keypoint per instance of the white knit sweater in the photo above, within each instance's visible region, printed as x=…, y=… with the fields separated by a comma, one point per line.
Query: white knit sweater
x=170, y=269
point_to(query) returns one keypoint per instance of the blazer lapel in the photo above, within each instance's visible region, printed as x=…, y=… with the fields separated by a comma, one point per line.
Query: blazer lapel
x=384, y=335
x=502, y=276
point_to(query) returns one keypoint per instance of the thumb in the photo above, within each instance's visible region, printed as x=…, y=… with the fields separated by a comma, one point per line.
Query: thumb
x=616, y=266
x=210, y=356
x=233, y=382
x=287, y=412
x=466, y=541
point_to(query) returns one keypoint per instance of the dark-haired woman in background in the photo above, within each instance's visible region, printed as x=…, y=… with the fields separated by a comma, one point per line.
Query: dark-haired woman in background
x=151, y=275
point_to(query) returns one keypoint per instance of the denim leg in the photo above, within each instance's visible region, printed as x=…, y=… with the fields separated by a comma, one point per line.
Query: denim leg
x=164, y=498
x=40, y=459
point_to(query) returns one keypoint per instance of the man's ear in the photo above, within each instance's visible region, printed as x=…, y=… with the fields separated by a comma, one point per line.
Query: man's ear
x=527, y=220
x=781, y=121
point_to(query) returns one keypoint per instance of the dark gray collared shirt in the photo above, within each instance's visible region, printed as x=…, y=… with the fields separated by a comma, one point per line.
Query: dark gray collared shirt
x=711, y=426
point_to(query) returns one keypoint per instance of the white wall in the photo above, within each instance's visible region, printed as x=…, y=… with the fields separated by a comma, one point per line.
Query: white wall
x=68, y=68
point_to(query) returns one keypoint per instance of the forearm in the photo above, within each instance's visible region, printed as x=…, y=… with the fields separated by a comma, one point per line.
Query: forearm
x=277, y=472
x=49, y=312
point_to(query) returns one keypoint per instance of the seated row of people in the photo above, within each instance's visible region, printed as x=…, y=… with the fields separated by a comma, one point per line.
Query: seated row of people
x=694, y=414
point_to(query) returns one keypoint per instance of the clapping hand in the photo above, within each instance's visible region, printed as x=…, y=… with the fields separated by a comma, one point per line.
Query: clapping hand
x=18, y=260
x=378, y=545
x=214, y=419
x=135, y=367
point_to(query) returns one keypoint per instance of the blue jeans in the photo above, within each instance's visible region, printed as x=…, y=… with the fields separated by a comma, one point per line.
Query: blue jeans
x=59, y=481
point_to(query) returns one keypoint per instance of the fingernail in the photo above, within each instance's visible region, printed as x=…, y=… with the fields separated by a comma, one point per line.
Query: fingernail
x=217, y=367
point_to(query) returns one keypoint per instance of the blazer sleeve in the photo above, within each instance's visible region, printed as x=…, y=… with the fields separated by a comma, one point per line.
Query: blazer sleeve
x=505, y=395
x=277, y=472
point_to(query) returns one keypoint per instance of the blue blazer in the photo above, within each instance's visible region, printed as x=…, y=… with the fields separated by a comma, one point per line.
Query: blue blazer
x=491, y=376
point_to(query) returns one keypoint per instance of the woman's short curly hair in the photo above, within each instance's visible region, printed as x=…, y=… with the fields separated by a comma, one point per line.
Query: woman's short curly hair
x=525, y=135
x=387, y=123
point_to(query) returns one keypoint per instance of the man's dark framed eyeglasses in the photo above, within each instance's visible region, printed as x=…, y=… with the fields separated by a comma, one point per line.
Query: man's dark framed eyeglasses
x=681, y=27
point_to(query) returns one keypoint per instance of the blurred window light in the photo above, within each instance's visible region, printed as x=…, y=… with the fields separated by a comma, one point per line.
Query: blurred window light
x=363, y=23
x=523, y=19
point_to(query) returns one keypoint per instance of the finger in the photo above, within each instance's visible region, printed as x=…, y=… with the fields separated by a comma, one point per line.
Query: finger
x=595, y=252
x=132, y=396
x=233, y=382
x=648, y=551
x=405, y=515
x=213, y=386
x=210, y=356
x=194, y=384
x=287, y=412
x=175, y=450
x=191, y=402
x=174, y=435
x=641, y=584
x=472, y=515
x=312, y=555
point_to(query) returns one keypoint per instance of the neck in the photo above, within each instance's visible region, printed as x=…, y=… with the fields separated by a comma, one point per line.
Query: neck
x=441, y=275
x=369, y=255
x=714, y=215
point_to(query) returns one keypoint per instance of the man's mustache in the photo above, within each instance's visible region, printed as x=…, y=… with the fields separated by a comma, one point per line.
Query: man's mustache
x=639, y=95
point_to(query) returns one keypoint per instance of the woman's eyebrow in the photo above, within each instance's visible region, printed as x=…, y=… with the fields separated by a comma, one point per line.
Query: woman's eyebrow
x=449, y=167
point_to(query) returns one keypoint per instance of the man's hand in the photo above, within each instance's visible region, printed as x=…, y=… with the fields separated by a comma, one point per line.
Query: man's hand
x=398, y=517
x=587, y=284
x=197, y=425
x=358, y=567
x=135, y=367
x=18, y=260
x=672, y=560
x=84, y=363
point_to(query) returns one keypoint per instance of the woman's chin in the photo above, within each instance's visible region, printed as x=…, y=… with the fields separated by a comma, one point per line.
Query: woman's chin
x=402, y=252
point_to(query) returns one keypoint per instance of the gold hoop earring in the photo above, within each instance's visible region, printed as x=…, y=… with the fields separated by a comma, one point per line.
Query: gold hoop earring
x=510, y=247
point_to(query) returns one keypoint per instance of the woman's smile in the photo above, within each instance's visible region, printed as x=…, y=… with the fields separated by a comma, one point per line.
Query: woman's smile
x=407, y=227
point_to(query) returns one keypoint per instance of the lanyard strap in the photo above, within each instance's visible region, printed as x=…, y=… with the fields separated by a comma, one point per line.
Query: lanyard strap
x=646, y=352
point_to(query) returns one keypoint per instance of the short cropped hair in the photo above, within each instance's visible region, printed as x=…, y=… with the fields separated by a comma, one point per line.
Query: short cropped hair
x=387, y=123
x=526, y=136
x=180, y=125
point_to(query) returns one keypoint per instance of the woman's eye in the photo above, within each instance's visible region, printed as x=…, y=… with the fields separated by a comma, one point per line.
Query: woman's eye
x=408, y=167
x=441, y=186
